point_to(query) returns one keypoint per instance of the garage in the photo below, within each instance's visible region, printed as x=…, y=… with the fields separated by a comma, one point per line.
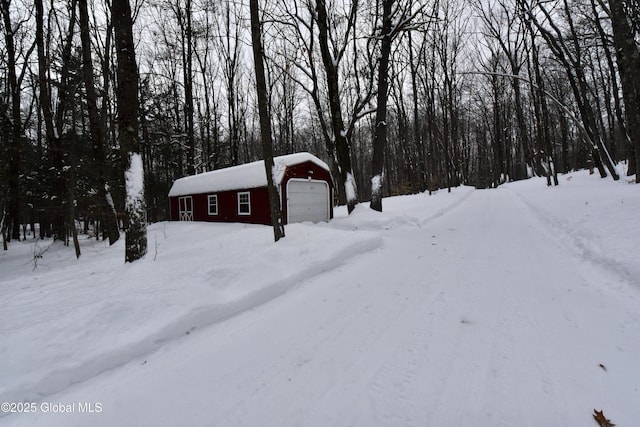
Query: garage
x=239, y=193
x=307, y=200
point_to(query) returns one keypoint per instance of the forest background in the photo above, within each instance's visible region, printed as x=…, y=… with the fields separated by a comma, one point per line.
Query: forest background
x=397, y=96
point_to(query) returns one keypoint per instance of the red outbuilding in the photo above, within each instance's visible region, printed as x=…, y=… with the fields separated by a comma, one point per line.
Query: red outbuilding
x=239, y=193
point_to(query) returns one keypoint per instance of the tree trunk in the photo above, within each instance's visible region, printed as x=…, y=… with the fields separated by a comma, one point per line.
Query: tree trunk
x=380, y=139
x=573, y=66
x=342, y=149
x=71, y=202
x=545, y=147
x=15, y=136
x=127, y=100
x=606, y=46
x=52, y=136
x=107, y=212
x=628, y=57
x=53, y=127
x=188, y=90
x=417, y=133
x=265, y=121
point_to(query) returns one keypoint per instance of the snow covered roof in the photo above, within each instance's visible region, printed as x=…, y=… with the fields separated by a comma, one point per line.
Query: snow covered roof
x=249, y=175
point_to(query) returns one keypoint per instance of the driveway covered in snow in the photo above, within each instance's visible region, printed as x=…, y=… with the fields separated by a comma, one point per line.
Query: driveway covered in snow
x=492, y=311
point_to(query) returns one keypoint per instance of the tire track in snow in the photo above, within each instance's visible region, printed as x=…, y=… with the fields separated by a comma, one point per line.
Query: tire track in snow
x=363, y=328
x=447, y=209
x=472, y=320
x=487, y=349
x=390, y=393
x=571, y=239
x=462, y=388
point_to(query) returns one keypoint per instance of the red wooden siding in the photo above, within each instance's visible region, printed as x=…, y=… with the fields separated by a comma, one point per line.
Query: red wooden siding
x=260, y=212
x=228, y=207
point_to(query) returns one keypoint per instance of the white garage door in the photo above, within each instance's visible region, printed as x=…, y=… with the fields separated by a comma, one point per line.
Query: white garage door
x=307, y=200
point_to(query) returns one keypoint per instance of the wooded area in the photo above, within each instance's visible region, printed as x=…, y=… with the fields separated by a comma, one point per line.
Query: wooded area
x=397, y=96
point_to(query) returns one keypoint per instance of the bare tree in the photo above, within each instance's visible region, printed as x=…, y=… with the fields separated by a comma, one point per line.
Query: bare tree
x=331, y=56
x=229, y=32
x=616, y=120
x=628, y=58
x=544, y=148
x=396, y=17
x=502, y=24
x=15, y=76
x=380, y=138
x=265, y=121
x=449, y=42
x=568, y=52
x=107, y=210
x=184, y=17
x=55, y=125
x=127, y=98
x=209, y=75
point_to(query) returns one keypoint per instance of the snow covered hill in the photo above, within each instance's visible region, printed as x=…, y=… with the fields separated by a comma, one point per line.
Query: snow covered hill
x=518, y=306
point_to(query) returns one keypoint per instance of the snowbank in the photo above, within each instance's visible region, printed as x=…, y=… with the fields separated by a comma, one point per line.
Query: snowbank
x=594, y=218
x=66, y=321
x=510, y=306
x=401, y=212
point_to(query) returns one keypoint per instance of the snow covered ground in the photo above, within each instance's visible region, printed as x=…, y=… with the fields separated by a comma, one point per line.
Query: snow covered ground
x=518, y=306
